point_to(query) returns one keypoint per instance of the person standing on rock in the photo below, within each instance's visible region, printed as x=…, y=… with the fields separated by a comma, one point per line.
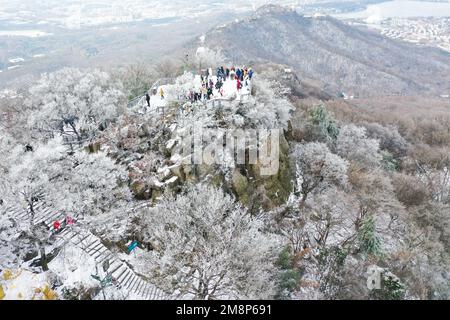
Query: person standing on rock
x=147, y=98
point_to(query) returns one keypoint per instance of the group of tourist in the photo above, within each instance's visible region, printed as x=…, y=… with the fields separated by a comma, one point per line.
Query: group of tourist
x=234, y=73
x=209, y=83
x=214, y=85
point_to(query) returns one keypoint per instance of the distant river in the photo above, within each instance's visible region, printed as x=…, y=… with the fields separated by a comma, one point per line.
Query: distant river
x=400, y=9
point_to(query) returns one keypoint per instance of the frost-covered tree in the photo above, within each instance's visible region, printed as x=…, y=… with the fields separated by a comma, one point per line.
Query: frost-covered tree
x=75, y=102
x=7, y=144
x=90, y=184
x=352, y=143
x=33, y=172
x=82, y=183
x=318, y=168
x=437, y=181
x=270, y=109
x=206, y=57
x=390, y=139
x=76, y=184
x=332, y=218
x=29, y=175
x=137, y=79
x=208, y=247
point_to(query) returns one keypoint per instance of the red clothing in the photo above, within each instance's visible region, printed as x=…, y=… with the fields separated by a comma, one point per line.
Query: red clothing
x=56, y=225
x=238, y=84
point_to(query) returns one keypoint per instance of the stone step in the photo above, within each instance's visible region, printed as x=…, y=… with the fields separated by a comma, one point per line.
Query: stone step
x=78, y=242
x=89, y=243
x=103, y=255
x=139, y=287
x=94, y=247
x=126, y=280
x=119, y=272
x=138, y=284
x=59, y=217
x=114, y=266
x=151, y=292
x=133, y=282
x=123, y=275
x=43, y=216
x=98, y=252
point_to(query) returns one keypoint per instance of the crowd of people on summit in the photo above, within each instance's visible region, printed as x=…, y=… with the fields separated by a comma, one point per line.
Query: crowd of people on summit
x=223, y=83
x=211, y=84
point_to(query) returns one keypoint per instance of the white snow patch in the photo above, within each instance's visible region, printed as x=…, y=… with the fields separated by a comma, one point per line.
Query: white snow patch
x=171, y=180
x=16, y=60
x=74, y=266
x=23, y=285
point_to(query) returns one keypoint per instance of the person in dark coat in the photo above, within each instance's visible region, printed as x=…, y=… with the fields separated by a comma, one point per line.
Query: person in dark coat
x=147, y=98
x=238, y=74
x=209, y=93
x=218, y=74
x=227, y=72
x=250, y=73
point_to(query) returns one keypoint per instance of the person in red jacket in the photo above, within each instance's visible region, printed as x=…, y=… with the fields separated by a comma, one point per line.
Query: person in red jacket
x=56, y=225
x=238, y=84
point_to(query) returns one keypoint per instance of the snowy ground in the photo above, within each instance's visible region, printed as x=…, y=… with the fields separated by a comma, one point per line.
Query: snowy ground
x=21, y=284
x=187, y=82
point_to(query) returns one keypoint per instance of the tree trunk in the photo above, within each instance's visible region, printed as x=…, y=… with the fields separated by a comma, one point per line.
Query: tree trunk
x=32, y=213
x=75, y=131
x=303, y=200
x=43, y=255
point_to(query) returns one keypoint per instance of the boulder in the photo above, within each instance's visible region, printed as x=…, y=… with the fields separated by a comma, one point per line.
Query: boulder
x=140, y=190
x=241, y=187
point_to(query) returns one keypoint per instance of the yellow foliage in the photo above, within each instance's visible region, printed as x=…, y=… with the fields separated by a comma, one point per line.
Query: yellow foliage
x=49, y=294
x=2, y=293
x=9, y=275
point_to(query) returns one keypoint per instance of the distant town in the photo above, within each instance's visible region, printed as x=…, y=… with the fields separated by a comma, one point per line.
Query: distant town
x=423, y=31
